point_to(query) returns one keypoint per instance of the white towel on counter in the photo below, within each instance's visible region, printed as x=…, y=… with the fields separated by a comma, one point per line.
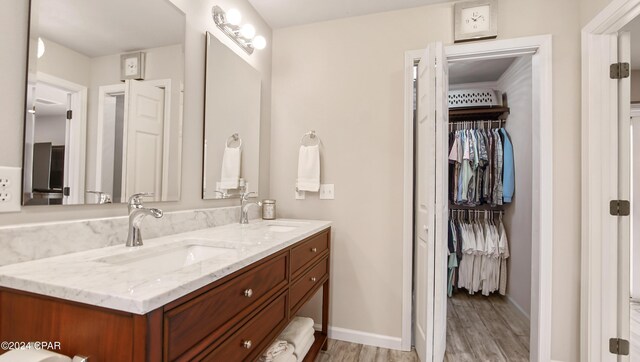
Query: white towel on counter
x=307, y=346
x=308, y=169
x=230, y=174
x=280, y=351
x=297, y=331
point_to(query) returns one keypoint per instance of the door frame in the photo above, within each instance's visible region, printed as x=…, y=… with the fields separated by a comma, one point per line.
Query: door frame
x=76, y=137
x=542, y=253
x=164, y=84
x=103, y=91
x=599, y=296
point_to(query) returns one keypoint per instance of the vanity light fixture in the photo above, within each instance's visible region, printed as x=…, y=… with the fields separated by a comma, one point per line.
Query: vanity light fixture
x=244, y=36
x=41, y=48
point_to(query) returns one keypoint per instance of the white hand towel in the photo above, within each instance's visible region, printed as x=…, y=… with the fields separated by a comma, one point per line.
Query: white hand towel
x=297, y=330
x=280, y=351
x=308, y=169
x=230, y=168
x=307, y=346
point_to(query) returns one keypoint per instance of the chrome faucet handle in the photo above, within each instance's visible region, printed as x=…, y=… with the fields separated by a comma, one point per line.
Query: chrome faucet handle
x=103, y=197
x=245, y=195
x=223, y=195
x=135, y=200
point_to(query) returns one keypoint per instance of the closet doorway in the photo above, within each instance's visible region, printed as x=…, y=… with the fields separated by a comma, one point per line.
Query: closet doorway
x=520, y=69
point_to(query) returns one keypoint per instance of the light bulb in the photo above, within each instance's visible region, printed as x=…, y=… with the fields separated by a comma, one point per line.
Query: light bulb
x=40, y=48
x=234, y=17
x=259, y=42
x=248, y=31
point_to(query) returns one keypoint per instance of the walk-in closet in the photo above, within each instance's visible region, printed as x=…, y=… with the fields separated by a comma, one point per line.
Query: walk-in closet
x=490, y=209
x=480, y=162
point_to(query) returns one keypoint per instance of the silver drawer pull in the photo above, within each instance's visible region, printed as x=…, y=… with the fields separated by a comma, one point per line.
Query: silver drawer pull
x=313, y=250
x=246, y=344
x=313, y=279
x=248, y=293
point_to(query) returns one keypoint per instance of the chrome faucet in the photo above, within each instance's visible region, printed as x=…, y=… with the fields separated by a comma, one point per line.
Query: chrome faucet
x=244, y=206
x=103, y=197
x=137, y=212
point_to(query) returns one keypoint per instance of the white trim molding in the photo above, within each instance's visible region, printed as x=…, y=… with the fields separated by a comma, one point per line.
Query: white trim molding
x=540, y=47
x=599, y=231
x=360, y=337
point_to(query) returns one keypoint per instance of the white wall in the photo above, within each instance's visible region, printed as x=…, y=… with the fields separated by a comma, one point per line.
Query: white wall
x=65, y=63
x=344, y=79
x=51, y=129
x=13, y=42
x=516, y=82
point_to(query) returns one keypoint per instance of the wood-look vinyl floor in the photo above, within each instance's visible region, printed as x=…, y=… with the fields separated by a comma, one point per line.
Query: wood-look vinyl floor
x=340, y=351
x=483, y=328
x=478, y=329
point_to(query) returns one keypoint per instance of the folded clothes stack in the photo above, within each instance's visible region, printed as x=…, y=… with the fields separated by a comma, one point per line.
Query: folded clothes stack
x=294, y=342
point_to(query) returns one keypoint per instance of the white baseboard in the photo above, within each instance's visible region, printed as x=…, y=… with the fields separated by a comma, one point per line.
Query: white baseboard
x=369, y=339
x=518, y=307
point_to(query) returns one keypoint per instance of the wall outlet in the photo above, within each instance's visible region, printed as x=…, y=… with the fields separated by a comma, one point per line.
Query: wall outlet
x=327, y=192
x=10, y=178
x=300, y=195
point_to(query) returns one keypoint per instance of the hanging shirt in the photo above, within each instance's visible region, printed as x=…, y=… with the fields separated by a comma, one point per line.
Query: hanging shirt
x=508, y=178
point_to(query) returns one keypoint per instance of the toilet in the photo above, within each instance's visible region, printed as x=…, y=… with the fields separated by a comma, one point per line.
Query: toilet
x=33, y=355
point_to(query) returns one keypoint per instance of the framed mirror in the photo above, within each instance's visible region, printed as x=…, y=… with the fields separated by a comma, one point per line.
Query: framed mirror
x=231, y=123
x=104, y=97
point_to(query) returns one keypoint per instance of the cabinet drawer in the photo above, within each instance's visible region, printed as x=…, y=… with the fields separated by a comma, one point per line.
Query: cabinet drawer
x=254, y=336
x=206, y=315
x=308, y=281
x=308, y=250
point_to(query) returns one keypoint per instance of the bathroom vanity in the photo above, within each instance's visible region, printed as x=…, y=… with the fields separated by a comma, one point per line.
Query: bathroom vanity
x=220, y=294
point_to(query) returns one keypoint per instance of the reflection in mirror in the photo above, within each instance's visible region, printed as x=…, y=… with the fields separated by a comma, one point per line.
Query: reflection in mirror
x=231, y=123
x=104, y=96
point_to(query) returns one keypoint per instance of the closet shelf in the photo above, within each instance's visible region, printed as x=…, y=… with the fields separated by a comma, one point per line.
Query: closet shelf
x=478, y=114
x=483, y=207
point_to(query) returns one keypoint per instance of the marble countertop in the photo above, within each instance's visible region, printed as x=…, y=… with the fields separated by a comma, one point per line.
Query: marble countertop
x=109, y=277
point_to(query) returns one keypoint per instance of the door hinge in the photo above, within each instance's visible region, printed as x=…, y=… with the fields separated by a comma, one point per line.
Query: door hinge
x=69, y=114
x=619, y=70
x=619, y=207
x=619, y=346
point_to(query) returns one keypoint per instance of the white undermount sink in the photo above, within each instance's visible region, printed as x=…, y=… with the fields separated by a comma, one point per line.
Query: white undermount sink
x=284, y=226
x=280, y=228
x=168, y=259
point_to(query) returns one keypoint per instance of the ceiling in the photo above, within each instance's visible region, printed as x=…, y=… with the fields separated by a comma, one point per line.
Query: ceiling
x=98, y=27
x=285, y=13
x=634, y=28
x=474, y=71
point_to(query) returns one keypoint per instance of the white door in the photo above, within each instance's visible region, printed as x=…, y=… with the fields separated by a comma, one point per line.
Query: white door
x=624, y=193
x=144, y=127
x=431, y=205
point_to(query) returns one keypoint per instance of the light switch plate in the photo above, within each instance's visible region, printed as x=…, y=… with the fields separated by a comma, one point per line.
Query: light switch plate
x=327, y=192
x=10, y=179
x=300, y=195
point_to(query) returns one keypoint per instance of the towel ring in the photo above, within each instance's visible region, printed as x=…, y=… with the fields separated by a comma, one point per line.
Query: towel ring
x=311, y=135
x=234, y=138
